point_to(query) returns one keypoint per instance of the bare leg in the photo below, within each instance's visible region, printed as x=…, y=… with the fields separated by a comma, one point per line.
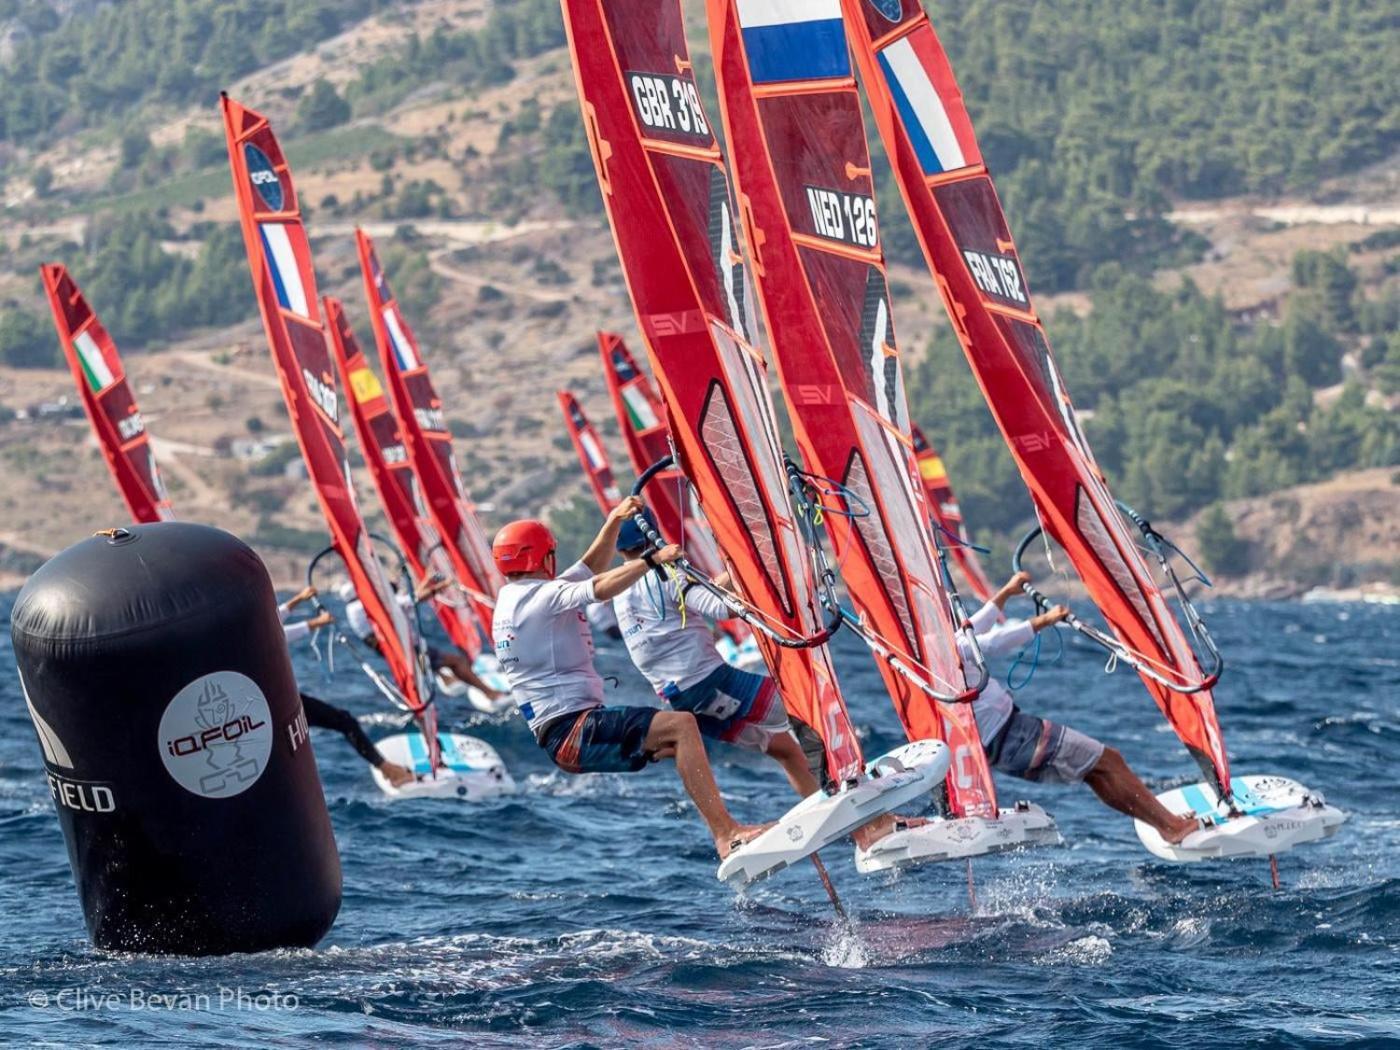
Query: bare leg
x=787, y=752
x=674, y=733
x=1118, y=787
x=461, y=669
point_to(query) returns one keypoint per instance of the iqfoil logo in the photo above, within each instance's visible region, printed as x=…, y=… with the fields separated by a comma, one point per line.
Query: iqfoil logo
x=890, y=9
x=263, y=177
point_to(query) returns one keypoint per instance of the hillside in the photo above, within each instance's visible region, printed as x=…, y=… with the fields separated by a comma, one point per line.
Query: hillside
x=1228, y=326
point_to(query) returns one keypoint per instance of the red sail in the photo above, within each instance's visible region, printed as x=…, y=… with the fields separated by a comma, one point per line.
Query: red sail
x=393, y=479
x=423, y=428
x=641, y=416
x=279, y=256
x=966, y=241
x=591, y=456
x=107, y=397
x=943, y=508
x=802, y=170
x=664, y=184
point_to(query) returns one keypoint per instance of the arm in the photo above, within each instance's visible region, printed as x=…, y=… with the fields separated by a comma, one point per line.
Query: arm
x=303, y=595
x=295, y=632
x=608, y=585
x=601, y=552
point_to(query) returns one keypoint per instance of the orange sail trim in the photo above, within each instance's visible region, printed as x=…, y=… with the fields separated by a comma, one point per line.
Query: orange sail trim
x=398, y=490
x=802, y=170
x=944, y=510
x=107, y=398
x=423, y=427
x=279, y=256
x=591, y=456
x=672, y=217
x=967, y=244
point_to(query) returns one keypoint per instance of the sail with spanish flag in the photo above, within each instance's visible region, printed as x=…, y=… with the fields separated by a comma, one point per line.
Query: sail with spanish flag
x=107, y=397
x=591, y=456
x=423, y=428
x=947, y=515
x=393, y=479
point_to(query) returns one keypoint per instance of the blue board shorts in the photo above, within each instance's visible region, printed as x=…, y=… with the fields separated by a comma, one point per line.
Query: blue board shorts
x=1038, y=749
x=599, y=740
x=737, y=707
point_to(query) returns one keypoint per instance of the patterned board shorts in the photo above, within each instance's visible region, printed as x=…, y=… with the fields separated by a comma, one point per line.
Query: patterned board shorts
x=599, y=740
x=738, y=707
x=1038, y=749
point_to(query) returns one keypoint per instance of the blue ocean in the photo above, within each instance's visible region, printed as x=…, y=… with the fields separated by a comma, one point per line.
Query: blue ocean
x=585, y=911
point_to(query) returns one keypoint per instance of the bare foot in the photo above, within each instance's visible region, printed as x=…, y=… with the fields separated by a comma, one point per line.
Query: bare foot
x=740, y=836
x=396, y=775
x=1180, y=827
x=867, y=835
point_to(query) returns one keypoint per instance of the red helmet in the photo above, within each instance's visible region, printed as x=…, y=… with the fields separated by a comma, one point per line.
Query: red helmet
x=523, y=546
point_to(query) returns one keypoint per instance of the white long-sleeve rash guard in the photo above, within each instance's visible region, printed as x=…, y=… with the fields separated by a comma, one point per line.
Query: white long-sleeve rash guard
x=665, y=652
x=545, y=647
x=993, y=707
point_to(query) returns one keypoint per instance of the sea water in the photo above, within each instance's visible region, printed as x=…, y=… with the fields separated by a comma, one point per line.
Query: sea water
x=585, y=911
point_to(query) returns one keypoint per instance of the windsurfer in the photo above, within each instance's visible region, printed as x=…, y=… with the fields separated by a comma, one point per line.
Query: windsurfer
x=546, y=652
x=321, y=715
x=667, y=625
x=456, y=663
x=1037, y=749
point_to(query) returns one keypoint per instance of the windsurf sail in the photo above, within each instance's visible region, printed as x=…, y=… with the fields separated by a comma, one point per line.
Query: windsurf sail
x=947, y=515
x=967, y=244
x=279, y=256
x=107, y=398
x=591, y=456
x=423, y=427
x=667, y=195
x=398, y=489
x=802, y=171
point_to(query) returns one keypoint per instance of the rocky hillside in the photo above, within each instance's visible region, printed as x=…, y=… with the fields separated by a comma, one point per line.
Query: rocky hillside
x=404, y=117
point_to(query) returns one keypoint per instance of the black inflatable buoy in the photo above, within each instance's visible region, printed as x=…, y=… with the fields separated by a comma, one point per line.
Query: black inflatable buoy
x=160, y=687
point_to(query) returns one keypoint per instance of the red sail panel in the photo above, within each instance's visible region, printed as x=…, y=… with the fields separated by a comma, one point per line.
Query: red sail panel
x=943, y=508
x=668, y=199
x=966, y=241
x=279, y=256
x=802, y=169
x=398, y=490
x=107, y=397
x=591, y=455
x=641, y=416
x=423, y=427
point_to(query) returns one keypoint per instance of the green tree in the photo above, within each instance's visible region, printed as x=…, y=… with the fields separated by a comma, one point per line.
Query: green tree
x=322, y=107
x=1221, y=550
x=42, y=180
x=26, y=341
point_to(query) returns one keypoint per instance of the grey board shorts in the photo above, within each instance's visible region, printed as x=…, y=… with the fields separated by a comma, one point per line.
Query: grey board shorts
x=1038, y=749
